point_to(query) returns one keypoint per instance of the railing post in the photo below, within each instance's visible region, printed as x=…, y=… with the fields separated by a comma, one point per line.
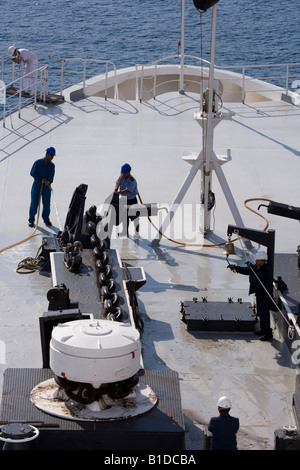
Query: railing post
x=106, y=80
x=47, y=80
x=243, y=89
x=287, y=79
x=13, y=72
x=141, y=85
x=136, y=83
x=4, y=107
x=116, y=90
x=62, y=75
x=84, y=74
x=36, y=73
x=2, y=68
x=20, y=92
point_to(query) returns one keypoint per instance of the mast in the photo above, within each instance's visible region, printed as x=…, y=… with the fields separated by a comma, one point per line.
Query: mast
x=208, y=129
x=206, y=161
x=181, y=84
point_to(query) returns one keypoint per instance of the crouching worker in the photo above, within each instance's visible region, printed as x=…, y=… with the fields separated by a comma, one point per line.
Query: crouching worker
x=126, y=185
x=223, y=427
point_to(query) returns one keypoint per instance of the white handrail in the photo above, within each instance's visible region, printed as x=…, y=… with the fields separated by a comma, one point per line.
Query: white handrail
x=140, y=73
x=43, y=72
x=141, y=68
x=85, y=61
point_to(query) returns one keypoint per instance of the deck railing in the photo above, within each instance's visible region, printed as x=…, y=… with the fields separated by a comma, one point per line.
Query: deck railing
x=61, y=74
x=287, y=73
x=85, y=62
x=64, y=73
x=13, y=95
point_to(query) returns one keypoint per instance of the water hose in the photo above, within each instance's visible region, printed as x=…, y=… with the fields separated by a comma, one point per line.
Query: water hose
x=210, y=245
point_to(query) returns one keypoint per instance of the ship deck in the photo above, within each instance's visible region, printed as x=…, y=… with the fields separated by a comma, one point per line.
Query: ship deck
x=93, y=137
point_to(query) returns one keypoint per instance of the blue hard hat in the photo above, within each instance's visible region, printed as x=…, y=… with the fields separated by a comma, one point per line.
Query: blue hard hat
x=125, y=168
x=51, y=150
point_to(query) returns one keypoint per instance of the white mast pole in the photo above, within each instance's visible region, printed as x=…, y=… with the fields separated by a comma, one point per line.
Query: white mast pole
x=208, y=136
x=181, y=84
x=206, y=161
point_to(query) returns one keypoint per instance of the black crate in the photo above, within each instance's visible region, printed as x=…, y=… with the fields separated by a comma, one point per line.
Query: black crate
x=286, y=439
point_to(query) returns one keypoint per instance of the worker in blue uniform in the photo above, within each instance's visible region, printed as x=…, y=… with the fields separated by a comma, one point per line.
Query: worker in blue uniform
x=223, y=427
x=260, y=285
x=126, y=185
x=42, y=171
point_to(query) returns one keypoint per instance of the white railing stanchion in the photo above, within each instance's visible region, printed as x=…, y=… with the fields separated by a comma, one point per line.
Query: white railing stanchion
x=136, y=83
x=106, y=76
x=4, y=107
x=84, y=75
x=142, y=81
x=154, y=85
x=287, y=80
x=20, y=97
x=62, y=75
x=243, y=88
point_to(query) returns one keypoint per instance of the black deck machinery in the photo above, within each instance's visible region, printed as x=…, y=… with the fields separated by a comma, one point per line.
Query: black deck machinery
x=92, y=363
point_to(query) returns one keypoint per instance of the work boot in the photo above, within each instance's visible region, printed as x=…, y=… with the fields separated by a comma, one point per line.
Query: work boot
x=30, y=224
x=48, y=223
x=258, y=332
x=266, y=337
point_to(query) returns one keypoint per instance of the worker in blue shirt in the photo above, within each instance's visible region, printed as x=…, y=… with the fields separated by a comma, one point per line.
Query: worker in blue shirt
x=223, y=427
x=126, y=185
x=42, y=172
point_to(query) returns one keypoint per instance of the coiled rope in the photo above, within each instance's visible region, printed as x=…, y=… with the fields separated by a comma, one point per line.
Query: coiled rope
x=28, y=265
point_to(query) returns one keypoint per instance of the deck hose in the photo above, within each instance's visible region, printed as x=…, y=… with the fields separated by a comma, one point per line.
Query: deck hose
x=162, y=234
x=217, y=244
x=29, y=264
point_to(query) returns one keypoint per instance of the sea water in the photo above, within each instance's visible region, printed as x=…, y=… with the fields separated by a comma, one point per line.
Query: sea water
x=128, y=32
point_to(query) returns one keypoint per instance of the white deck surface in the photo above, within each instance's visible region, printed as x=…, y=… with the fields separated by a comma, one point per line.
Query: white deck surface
x=93, y=138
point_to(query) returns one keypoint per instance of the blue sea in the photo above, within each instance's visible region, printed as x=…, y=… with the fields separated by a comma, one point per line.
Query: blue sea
x=128, y=32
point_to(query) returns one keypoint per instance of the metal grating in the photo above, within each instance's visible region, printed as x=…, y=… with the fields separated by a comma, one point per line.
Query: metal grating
x=160, y=428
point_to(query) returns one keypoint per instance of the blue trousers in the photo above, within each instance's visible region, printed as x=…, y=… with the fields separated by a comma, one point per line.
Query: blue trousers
x=35, y=196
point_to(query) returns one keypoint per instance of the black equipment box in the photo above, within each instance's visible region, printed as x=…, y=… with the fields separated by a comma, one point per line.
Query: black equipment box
x=218, y=316
x=287, y=439
x=49, y=245
x=51, y=319
x=296, y=400
x=160, y=428
x=207, y=435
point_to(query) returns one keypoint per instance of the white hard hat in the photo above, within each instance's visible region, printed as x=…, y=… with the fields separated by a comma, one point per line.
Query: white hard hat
x=11, y=49
x=261, y=255
x=224, y=403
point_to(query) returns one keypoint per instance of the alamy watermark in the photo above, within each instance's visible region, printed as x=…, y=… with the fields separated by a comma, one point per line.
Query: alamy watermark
x=177, y=222
x=296, y=353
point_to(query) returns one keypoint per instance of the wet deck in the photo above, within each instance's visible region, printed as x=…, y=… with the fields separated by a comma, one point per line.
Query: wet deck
x=93, y=138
